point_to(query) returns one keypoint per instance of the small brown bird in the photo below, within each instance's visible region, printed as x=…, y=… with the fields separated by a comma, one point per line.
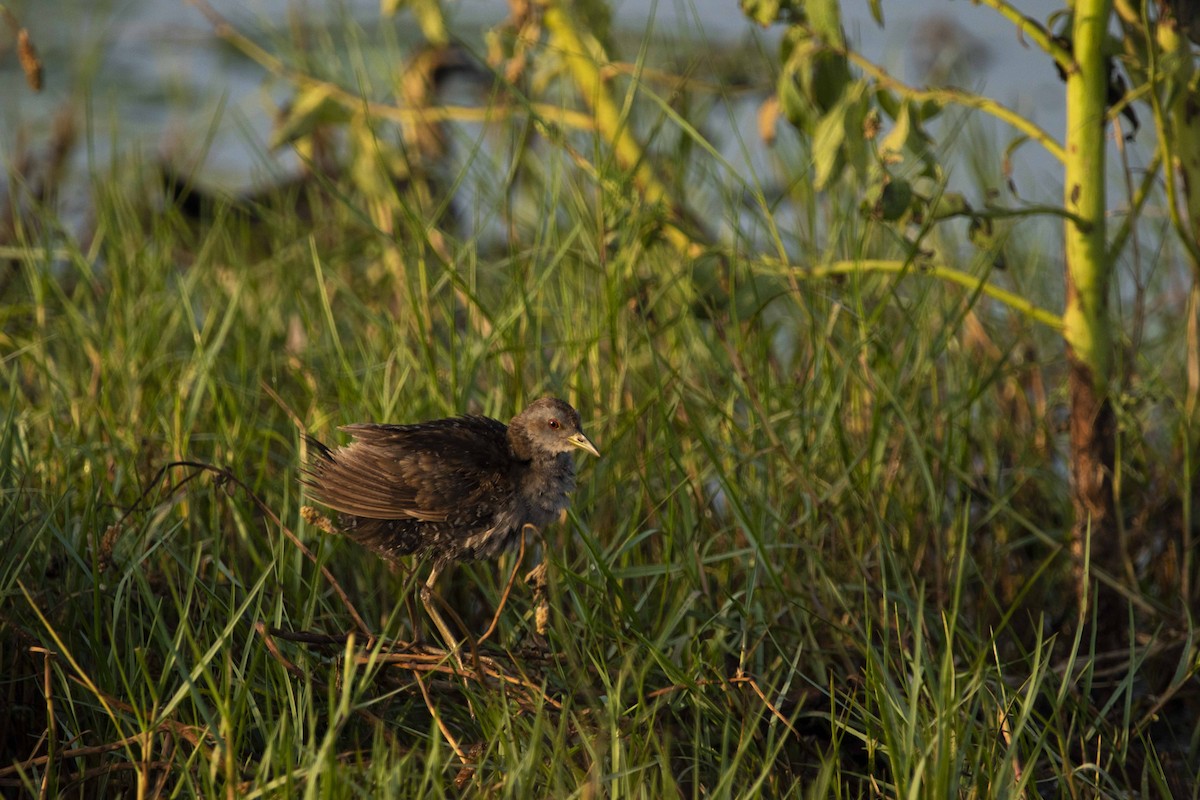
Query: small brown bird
x=455, y=489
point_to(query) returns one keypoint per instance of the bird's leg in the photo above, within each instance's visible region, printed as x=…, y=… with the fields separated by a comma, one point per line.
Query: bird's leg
x=429, y=599
x=512, y=578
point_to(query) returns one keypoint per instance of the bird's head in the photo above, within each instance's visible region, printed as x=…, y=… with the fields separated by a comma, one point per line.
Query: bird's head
x=550, y=426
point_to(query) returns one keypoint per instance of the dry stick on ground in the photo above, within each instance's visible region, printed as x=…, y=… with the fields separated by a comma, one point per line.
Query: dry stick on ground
x=438, y=719
x=304, y=637
x=488, y=668
x=724, y=684
x=63, y=755
x=273, y=649
x=425, y=658
x=51, y=735
x=192, y=734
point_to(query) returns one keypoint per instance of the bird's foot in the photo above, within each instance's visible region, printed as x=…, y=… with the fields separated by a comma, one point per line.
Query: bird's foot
x=430, y=600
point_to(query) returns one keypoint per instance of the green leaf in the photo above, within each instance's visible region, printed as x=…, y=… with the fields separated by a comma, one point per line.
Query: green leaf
x=795, y=36
x=827, y=146
x=895, y=200
x=892, y=145
x=876, y=7
x=791, y=101
x=907, y=139
x=951, y=204
x=764, y=12
x=820, y=74
x=312, y=106
x=825, y=20
x=830, y=75
x=888, y=102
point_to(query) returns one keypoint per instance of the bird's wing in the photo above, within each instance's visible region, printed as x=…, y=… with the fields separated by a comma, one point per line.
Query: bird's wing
x=431, y=471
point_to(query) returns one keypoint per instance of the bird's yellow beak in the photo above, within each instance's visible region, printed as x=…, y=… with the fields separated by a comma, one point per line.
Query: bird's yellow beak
x=582, y=442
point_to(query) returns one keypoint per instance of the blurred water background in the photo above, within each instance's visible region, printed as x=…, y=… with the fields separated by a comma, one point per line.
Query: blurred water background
x=156, y=80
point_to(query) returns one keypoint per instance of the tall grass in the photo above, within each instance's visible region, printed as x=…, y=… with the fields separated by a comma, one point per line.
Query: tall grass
x=821, y=555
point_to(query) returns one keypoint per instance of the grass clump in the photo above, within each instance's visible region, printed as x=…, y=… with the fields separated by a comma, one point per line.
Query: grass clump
x=821, y=556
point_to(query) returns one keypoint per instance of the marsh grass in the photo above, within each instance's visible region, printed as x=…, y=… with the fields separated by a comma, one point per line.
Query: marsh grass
x=821, y=555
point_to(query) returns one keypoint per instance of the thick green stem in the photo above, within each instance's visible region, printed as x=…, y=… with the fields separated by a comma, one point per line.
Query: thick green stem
x=1086, y=325
x=952, y=96
x=938, y=271
x=1086, y=318
x=1031, y=29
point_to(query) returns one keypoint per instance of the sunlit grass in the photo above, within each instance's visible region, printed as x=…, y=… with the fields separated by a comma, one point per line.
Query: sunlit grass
x=819, y=556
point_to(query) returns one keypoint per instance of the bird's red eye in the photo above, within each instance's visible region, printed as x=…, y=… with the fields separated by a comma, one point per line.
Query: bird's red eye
x=554, y=424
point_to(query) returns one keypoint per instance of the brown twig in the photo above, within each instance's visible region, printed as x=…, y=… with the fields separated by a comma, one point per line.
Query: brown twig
x=753, y=684
x=51, y=735
x=273, y=649
x=486, y=669
x=420, y=658
x=106, y=769
x=725, y=683
x=279, y=401
x=76, y=752
x=438, y=719
x=304, y=637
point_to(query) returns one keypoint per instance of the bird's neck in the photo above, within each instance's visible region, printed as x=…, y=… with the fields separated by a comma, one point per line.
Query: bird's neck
x=522, y=447
x=545, y=483
x=539, y=460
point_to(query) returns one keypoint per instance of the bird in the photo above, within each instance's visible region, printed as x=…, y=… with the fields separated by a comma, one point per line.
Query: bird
x=456, y=489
